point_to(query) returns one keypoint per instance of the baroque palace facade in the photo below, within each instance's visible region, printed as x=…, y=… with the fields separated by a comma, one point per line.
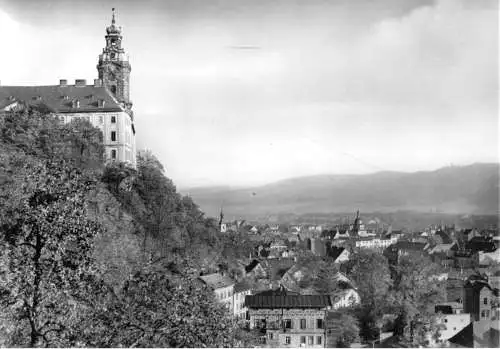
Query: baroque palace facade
x=105, y=103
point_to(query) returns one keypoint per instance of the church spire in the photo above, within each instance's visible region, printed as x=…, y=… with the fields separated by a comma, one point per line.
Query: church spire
x=113, y=16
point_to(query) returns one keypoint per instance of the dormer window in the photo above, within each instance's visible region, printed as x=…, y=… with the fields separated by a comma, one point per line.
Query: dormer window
x=113, y=55
x=76, y=103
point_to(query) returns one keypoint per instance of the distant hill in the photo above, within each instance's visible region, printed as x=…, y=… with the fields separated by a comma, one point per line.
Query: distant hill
x=472, y=189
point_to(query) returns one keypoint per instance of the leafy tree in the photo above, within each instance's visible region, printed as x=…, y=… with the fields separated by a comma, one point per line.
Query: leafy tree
x=342, y=329
x=156, y=310
x=416, y=295
x=325, y=282
x=45, y=244
x=46, y=136
x=370, y=272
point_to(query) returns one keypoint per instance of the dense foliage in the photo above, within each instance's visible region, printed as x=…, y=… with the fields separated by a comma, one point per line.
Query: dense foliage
x=57, y=200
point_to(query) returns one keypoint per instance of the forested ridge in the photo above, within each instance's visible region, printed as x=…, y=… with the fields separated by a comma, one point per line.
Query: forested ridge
x=95, y=255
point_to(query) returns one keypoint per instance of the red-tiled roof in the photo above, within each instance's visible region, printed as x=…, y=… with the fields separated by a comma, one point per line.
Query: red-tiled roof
x=60, y=98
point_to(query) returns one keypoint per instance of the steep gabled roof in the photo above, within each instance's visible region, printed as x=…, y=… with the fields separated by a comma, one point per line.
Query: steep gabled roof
x=59, y=99
x=251, y=266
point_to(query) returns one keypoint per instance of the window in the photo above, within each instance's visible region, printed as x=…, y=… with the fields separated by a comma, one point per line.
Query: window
x=487, y=313
x=445, y=320
x=302, y=339
x=113, y=89
x=288, y=323
x=270, y=335
x=113, y=154
x=113, y=136
x=482, y=313
x=319, y=339
x=100, y=119
x=319, y=323
x=113, y=119
x=310, y=340
x=485, y=300
x=302, y=323
x=288, y=340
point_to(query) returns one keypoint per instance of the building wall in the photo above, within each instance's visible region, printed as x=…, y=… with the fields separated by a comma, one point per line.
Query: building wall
x=225, y=296
x=343, y=257
x=239, y=310
x=277, y=336
x=453, y=323
x=124, y=145
x=348, y=299
x=494, y=281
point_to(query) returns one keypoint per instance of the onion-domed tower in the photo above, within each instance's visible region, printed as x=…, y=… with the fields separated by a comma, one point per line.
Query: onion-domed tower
x=114, y=67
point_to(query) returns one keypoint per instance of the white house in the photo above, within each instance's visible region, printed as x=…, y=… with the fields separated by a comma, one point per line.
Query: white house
x=223, y=287
x=345, y=298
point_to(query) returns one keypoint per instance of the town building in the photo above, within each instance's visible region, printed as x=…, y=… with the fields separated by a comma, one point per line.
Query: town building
x=374, y=242
x=338, y=254
x=345, y=298
x=482, y=302
x=452, y=319
x=286, y=319
x=241, y=290
x=105, y=104
x=223, y=287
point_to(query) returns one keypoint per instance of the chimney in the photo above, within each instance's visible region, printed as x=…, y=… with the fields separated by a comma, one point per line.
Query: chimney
x=97, y=82
x=63, y=82
x=80, y=82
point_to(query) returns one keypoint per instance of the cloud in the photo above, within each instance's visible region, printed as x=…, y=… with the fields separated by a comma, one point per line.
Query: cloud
x=394, y=85
x=40, y=55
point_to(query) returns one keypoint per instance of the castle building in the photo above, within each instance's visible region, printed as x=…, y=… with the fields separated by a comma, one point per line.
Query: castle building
x=105, y=103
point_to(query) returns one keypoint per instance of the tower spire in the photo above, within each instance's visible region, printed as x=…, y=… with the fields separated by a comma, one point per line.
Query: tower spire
x=113, y=16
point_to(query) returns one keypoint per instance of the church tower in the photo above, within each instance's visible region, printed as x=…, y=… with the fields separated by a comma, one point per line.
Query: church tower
x=114, y=67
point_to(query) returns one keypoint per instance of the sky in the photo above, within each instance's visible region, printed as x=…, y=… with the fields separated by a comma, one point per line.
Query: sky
x=247, y=92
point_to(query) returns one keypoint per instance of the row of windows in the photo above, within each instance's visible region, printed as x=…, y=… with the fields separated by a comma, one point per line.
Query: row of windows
x=310, y=340
x=288, y=324
x=224, y=294
x=101, y=119
x=485, y=313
